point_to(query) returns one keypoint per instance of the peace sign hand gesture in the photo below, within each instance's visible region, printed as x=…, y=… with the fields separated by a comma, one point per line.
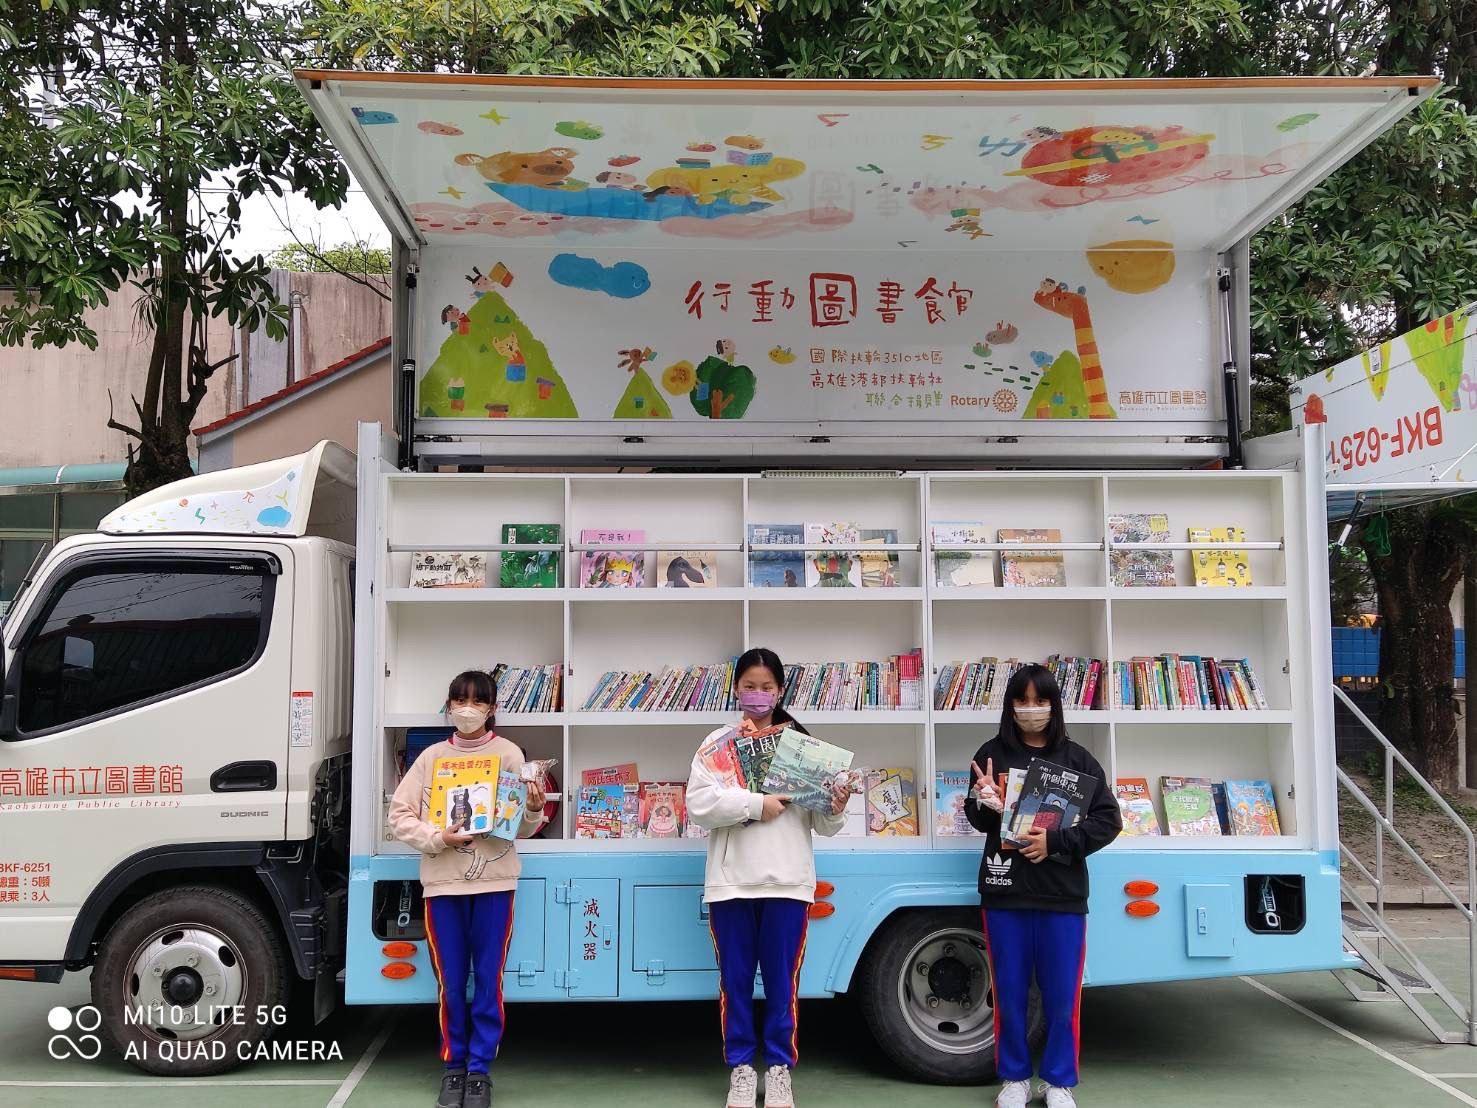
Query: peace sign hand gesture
x=985, y=792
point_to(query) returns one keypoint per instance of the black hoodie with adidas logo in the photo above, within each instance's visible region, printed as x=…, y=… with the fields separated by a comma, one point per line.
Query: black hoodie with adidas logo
x=1058, y=883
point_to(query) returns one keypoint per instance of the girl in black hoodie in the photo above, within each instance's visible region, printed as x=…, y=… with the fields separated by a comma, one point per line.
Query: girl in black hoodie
x=1035, y=898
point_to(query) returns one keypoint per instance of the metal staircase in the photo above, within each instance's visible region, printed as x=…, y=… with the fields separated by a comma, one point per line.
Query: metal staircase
x=1385, y=959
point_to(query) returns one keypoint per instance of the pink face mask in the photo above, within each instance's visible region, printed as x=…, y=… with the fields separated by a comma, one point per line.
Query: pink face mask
x=756, y=702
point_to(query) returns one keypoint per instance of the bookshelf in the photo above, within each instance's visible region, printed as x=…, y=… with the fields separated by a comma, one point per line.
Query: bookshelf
x=429, y=634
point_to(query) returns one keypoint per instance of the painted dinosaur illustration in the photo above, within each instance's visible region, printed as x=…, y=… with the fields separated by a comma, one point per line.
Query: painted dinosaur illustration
x=1054, y=296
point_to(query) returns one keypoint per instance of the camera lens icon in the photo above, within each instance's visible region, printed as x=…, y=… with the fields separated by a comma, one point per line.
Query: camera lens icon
x=59, y=1018
x=85, y=1020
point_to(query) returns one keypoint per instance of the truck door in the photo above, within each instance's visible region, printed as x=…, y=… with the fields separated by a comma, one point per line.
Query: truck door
x=148, y=703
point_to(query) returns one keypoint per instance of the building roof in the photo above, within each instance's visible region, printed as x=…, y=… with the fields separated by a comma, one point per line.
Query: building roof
x=343, y=367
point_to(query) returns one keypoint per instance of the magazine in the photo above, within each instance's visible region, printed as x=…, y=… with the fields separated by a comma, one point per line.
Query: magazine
x=597, y=813
x=950, y=791
x=1137, y=805
x=827, y=569
x=464, y=792
x=1051, y=797
x=615, y=568
x=878, y=568
x=892, y=802
x=686, y=569
x=512, y=795
x=961, y=569
x=631, y=811
x=1253, y=808
x=777, y=569
x=755, y=750
x=530, y=569
x=720, y=758
x=1035, y=567
x=1189, y=806
x=437, y=569
x=663, y=809
x=803, y=769
x=623, y=774
x=1140, y=568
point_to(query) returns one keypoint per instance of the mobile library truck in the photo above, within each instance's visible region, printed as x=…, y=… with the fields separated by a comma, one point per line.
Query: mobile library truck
x=906, y=380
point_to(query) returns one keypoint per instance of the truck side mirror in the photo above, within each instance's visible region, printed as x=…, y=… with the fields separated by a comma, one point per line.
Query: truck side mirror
x=9, y=703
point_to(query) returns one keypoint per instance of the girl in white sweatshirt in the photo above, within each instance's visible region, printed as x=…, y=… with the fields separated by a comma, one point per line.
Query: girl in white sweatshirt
x=759, y=886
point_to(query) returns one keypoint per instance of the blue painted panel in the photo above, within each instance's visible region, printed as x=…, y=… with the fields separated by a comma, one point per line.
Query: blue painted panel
x=594, y=931
x=670, y=927
x=1210, y=926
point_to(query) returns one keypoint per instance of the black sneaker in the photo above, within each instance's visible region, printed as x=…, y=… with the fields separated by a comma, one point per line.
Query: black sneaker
x=453, y=1089
x=479, y=1091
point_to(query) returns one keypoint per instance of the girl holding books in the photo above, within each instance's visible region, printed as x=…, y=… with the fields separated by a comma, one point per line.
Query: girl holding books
x=759, y=886
x=1034, y=897
x=468, y=883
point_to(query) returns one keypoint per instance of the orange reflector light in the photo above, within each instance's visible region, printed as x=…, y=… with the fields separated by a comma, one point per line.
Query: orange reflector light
x=824, y=889
x=821, y=909
x=398, y=949
x=18, y=973
x=397, y=971
x=1140, y=888
x=1143, y=909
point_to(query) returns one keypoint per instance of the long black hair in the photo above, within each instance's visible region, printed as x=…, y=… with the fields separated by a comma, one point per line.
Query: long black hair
x=1038, y=677
x=767, y=659
x=475, y=685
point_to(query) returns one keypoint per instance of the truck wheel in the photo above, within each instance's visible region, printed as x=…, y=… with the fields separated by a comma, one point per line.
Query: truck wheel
x=924, y=988
x=194, y=968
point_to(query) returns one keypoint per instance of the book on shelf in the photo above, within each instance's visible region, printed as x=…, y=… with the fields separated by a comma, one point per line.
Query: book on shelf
x=777, y=569
x=672, y=689
x=840, y=568
x=464, y=792
x=1137, y=805
x=854, y=819
x=1033, y=566
x=442, y=569
x=950, y=791
x=878, y=567
x=961, y=569
x=598, y=809
x=1051, y=797
x=1187, y=681
x=1189, y=806
x=512, y=795
x=630, y=811
x=981, y=685
x=686, y=569
x=803, y=768
x=613, y=568
x=530, y=569
x=691, y=830
x=529, y=688
x=623, y=774
x=1140, y=568
x=1252, y=807
x=663, y=809
x=1220, y=569
x=855, y=686
x=1222, y=814
x=892, y=802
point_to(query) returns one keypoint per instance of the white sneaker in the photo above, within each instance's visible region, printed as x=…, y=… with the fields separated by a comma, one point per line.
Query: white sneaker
x=777, y=1091
x=1014, y=1094
x=743, y=1087
x=1057, y=1097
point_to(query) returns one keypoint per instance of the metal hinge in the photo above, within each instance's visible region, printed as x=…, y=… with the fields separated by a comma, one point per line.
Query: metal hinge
x=526, y=972
x=564, y=894
x=567, y=979
x=656, y=972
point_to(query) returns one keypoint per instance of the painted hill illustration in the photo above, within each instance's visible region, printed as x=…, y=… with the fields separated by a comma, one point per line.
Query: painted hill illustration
x=1061, y=392
x=1437, y=349
x=492, y=366
x=641, y=400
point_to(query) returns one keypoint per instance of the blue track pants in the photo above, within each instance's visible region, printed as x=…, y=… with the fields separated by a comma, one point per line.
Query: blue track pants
x=1052, y=947
x=768, y=935
x=470, y=934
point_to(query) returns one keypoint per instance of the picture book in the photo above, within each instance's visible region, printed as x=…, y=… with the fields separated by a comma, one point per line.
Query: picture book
x=755, y=750
x=1010, y=797
x=614, y=568
x=512, y=795
x=1140, y=568
x=803, y=769
x=833, y=569
x=1222, y=812
x=878, y=567
x=950, y=791
x=630, y=811
x=530, y=569
x=623, y=774
x=777, y=569
x=1189, y=806
x=1220, y=569
x=962, y=569
x=686, y=569
x=663, y=811
x=892, y=802
x=1137, y=805
x=441, y=569
x=1253, y=808
x=719, y=757
x=597, y=813
x=1033, y=567
x=1051, y=797
x=464, y=792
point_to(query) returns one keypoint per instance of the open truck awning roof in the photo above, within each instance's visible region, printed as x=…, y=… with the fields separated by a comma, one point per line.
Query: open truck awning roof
x=1266, y=140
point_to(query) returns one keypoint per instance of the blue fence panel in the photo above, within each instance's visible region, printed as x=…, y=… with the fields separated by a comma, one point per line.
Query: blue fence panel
x=1356, y=652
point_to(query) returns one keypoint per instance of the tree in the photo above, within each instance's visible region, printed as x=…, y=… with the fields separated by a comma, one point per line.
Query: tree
x=131, y=132
x=359, y=258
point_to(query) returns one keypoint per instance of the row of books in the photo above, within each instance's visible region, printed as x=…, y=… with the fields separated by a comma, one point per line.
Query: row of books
x=671, y=689
x=850, y=686
x=810, y=565
x=529, y=688
x=982, y=684
x=539, y=569
x=1189, y=681
x=1199, y=806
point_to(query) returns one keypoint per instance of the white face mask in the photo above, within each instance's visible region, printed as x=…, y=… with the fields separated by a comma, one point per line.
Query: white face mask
x=468, y=719
x=1033, y=719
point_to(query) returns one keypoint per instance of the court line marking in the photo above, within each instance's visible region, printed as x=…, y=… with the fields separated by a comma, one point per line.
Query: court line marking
x=166, y=1082
x=371, y=1052
x=1428, y=1078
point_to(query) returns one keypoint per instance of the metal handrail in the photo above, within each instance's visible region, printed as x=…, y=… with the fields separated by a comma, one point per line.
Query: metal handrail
x=1385, y=824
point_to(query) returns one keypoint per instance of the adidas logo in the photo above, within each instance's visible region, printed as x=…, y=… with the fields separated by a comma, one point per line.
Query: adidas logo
x=999, y=871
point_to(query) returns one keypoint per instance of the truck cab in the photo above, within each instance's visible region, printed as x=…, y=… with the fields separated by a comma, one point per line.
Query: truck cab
x=176, y=726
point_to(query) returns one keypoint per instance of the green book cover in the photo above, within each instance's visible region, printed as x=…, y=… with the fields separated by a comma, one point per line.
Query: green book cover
x=530, y=569
x=803, y=769
x=756, y=751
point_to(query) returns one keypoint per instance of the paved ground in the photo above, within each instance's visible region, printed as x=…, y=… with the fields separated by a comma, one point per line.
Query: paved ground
x=1235, y=1042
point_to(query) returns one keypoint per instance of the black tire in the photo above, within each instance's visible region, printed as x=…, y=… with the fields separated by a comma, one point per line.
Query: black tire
x=162, y=932
x=954, y=1042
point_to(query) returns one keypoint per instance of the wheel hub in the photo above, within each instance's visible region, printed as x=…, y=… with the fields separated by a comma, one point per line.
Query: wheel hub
x=184, y=986
x=182, y=982
x=948, y=979
x=943, y=992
